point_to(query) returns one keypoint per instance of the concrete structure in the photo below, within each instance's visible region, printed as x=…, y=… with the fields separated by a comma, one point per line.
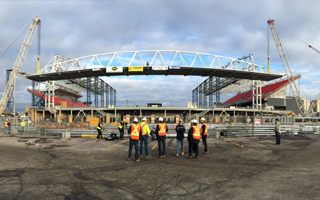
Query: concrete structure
x=171, y=114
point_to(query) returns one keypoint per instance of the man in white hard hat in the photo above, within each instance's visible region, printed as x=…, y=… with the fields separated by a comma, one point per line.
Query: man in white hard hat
x=134, y=133
x=194, y=138
x=144, y=137
x=161, y=132
x=204, y=133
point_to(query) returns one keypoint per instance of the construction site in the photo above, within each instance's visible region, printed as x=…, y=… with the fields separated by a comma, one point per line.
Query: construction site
x=50, y=150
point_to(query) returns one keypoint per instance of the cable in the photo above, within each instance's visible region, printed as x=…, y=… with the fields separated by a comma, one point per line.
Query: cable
x=290, y=34
x=16, y=38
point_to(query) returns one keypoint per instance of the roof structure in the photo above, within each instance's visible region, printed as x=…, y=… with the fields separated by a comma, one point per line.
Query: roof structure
x=172, y=70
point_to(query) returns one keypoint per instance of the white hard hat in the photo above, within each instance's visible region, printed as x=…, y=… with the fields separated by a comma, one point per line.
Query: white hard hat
x=144, y=119
x=160, y=119
x=135, y=120
x=194, y=121
x=203, y=119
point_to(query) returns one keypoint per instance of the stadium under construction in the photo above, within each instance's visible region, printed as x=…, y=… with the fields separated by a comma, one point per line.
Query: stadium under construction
x=58, y=86
x=62, y=82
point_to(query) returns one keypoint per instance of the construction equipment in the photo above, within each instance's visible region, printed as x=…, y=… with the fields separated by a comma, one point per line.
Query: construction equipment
x=314, y=49
x=314, y=102
x=18, y=63
x=286, y=65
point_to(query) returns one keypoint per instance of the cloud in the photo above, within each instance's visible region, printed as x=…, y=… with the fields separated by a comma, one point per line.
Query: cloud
x=230, y=28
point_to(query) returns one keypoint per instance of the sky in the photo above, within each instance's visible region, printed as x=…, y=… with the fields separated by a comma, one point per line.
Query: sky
x=228, y=28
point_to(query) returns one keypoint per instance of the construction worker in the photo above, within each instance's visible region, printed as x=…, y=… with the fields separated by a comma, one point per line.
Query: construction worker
x=144, y=137
x=277, y=131
x=134, y=133
x=180, y=130
x=23, y=125
x=99, y=130
x=204, y=133
x=161, y=132
x=7, y=126
x=194, y=138
x=121, y=129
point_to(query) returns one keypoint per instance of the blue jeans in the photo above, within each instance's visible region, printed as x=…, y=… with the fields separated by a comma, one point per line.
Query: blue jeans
x=162, y=145
x=277, y=137
x=144, y=140
x=179, y=146
x=134, y=143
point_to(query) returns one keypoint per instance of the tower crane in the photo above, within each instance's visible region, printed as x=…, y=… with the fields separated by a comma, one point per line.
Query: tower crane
x=286, y=65
x=18, y=63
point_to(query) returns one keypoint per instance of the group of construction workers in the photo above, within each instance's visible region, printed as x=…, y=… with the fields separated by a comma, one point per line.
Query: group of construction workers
x=139, y=133
x=7, y=126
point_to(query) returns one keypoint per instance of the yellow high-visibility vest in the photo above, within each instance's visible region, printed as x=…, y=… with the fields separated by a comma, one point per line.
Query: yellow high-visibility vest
x=145, y=129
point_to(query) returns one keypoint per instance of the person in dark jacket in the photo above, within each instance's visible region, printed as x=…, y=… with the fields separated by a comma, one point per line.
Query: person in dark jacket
x=161, y=132
x=194, y=138
x=99, y=130
x=121, y=129
x=180, y=129
x=277, y=131
x=134, y=133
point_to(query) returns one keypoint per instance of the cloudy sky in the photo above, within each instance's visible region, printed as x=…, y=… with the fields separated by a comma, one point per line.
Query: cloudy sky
x=229, y=28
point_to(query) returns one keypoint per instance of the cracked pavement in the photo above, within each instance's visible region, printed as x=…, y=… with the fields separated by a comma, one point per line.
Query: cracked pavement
x=86, y=169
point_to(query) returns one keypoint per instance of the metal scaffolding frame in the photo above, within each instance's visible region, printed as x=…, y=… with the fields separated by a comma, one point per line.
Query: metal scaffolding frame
x=96, y=86
x=96, y=89
x=102, y=95
x=256, y=95
x=88, y=86
x=213, y=85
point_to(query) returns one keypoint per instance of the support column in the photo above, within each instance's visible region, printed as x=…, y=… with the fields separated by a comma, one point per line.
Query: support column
x=107, y=95
x=218, y=91
x=111, y=96
x=96, y=101
x=200, y=96
x=102, y=95
x=88, y=85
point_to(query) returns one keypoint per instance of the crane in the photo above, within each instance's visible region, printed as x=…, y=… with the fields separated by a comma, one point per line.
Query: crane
x=18, y=63
x=313, y=103
x=314, y=49
x=286, y=65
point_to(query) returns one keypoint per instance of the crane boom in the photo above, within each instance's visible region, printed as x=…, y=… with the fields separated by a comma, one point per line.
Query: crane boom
x=18, y=63
x=313, y=104
x=314, y=49
x=285, y=63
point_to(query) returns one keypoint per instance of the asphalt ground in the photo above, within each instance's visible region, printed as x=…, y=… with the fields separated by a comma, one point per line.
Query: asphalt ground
x=234, y=168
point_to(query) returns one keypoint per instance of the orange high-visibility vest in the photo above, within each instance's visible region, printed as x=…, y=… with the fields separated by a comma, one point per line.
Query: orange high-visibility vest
x=162, y=129
x=135, y=131
x=196, y=133
x=205, y=132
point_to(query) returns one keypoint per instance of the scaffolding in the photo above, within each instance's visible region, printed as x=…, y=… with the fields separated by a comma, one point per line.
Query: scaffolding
x=98, y=92
x=256, y=95
x=202, y=95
